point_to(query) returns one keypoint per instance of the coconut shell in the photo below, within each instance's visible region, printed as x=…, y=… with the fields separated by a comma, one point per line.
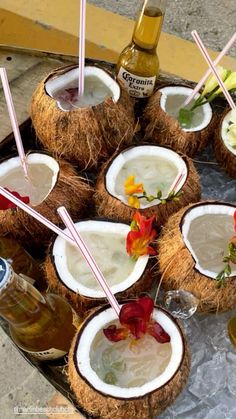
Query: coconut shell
x=177, y=266
x=82, y=304
x=225, y=158
x=146, y=407
x=111, y=207
x=85, y=135
x=163, y=129
x=70, y=190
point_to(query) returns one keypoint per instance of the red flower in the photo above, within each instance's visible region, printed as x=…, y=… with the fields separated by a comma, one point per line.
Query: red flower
x=6, y=204
x=135, y=317
x=141, y=236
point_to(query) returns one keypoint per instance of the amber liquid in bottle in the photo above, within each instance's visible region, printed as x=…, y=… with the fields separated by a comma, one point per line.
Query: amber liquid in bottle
x=40, y=325
x=138, y=64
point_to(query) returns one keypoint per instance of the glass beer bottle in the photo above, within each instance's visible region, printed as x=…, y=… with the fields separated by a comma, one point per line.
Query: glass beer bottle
x=40, y=325
x=138, y=64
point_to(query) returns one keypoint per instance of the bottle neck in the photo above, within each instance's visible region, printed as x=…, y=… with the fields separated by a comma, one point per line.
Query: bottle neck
x=148, y=24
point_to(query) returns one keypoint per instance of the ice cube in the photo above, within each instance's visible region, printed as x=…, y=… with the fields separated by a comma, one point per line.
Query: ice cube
x=180, y=303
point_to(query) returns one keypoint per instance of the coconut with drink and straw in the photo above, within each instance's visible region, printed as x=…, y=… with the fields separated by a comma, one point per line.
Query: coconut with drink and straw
x=225, y=142
x=154, y=179
x=196, y=254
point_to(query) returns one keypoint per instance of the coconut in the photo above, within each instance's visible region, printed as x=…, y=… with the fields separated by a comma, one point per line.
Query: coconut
x=52, y=184
x=190, y=252
x=84, y=131
x=140, y=400
x=155, y=167
x=69, y=275
x=225, y=152
x=162, y=126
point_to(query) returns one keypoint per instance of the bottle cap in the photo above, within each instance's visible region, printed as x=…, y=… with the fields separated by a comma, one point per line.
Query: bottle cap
x=4, y=272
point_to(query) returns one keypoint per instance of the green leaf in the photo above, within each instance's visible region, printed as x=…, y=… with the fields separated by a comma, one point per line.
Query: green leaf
x=185, y=117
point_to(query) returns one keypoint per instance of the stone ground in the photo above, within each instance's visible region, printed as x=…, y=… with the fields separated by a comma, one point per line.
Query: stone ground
x=20, y=384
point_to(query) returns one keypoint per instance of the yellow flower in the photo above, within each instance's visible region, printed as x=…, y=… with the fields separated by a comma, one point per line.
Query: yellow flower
x=212, y=82
x=230, y=83
x=231, y=135
x=133, y=201
x=131, y=187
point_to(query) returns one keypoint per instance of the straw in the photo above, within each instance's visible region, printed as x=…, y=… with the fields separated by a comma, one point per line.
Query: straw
x=176, y=182
x=14, y=123
x=89, y=258
x=211, y=65
x=208, y=73
x=82, y=46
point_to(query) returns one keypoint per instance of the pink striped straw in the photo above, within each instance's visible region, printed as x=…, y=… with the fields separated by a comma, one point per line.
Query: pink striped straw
x=203, y=50
x=82, y=46
x=208, y=73
x=176, y=181
x=89, y=258
x=13, y=119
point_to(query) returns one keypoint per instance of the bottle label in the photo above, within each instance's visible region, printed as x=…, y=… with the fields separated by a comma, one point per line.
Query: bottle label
x=136, y=86
x=49, y=354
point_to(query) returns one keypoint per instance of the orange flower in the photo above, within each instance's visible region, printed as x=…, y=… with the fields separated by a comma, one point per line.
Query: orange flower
x=141, y=236
x=131, y=187
x=135, y=317
x=133, y=201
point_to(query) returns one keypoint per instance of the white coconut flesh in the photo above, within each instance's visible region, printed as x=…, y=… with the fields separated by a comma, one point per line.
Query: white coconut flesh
x=172, y=99
x=139, y=368
x=227, y=121
x=107, y=243
x=43, y=173
x=153, y=166
x=98, y=86
x=207, y=230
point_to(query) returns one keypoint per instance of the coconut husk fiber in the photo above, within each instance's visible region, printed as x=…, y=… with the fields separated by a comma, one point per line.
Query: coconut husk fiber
x=177, y=268
x=111, y=207
x=70, y=190
x=225, y=158
x=163, y=129
x=84, y=135
x=83, y=304
x=146, y=407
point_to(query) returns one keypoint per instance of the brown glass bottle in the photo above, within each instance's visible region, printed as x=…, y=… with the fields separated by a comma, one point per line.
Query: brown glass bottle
x=40, y=325
x=138, y=64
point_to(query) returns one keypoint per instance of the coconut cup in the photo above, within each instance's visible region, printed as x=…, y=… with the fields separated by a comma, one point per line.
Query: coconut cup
x=154, y=166
x=145, y=401
x=190, y=251
x=85, y=135
x=52, y=184
x=68, y=274
x=162, y=127
x=225, y=153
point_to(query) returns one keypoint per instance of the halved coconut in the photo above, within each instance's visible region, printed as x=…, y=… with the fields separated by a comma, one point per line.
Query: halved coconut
x=148, y=375
x=52, y=184
x=85, y=131
x=162, y=126
x=225, y=152
x=190, y=251
x=157, y=168
x=69, y=275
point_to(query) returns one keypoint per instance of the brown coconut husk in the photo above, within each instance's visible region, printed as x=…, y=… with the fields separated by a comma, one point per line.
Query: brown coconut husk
x=70, y=190
x=83, y=304
x=163, y=129
x=225, y=158
x=85, y=135
x=111, y=207
x=146, y=407
x=177, y=268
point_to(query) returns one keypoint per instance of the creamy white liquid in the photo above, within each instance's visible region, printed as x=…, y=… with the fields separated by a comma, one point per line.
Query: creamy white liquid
x=175, y=102
x=109, y=251
x=129, y=363
x=37, y=189
x=153, y=172
x=209, y=236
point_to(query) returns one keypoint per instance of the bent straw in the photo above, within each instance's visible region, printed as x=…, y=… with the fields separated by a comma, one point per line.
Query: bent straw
x=203, y=50
x=89, y=258
x=82, y=46
x=13, y=119
x=208, y=73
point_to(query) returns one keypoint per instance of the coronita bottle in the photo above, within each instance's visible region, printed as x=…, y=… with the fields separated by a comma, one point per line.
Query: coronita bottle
x=138, y=64
x=40, y=325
